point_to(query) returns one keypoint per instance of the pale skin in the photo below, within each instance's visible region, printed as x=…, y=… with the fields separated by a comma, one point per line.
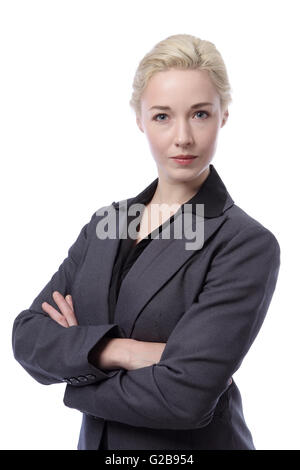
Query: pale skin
x=178, y=130
x=182, y=131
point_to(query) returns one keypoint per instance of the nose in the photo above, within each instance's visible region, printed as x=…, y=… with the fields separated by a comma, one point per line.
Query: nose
x=183, y=134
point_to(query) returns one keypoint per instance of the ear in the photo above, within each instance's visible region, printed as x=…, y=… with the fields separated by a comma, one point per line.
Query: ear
x=225, y=117
x=139, y=123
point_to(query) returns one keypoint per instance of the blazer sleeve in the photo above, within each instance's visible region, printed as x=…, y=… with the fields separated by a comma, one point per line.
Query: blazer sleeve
x=49, y=352
x=205, y=348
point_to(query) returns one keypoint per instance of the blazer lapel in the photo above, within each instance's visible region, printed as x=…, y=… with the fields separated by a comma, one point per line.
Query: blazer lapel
x=153, y=268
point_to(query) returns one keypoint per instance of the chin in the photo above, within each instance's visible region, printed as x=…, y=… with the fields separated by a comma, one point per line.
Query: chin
x=182, y=174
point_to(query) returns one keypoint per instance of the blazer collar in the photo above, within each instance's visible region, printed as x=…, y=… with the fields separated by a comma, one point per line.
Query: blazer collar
x=212, y=193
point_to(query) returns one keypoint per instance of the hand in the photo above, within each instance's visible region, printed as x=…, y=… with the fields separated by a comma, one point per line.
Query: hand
x=125, y=353
x=66, y=317
x=144, y=354
x=111, y=353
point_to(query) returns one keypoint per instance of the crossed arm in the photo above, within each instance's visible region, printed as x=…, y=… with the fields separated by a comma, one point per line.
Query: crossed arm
x=204, y=350
x=109, y=353
x=53, y=348
x=180, y=390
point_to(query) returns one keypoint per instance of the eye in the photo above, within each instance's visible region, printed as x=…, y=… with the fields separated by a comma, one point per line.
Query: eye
x=202, y=112
x=164, y=114
x=160, y=114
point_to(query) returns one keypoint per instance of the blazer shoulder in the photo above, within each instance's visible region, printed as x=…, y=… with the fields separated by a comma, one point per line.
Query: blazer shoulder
x=238, y=220
x=90, y=226
x=103, y=212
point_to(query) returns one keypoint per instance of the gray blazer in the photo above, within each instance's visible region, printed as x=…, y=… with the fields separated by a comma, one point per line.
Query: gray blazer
x=207, y=304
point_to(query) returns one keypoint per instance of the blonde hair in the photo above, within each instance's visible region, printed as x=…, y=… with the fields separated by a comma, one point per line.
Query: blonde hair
x=182, y=51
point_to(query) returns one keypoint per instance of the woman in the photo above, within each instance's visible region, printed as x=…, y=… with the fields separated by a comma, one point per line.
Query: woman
x=147, y=328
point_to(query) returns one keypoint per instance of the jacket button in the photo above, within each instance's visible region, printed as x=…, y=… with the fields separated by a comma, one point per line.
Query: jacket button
x=82, y=378
x=73, y=380
x=90, y=376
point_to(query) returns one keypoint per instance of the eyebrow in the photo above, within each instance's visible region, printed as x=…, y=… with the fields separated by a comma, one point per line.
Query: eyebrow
x=192, y=107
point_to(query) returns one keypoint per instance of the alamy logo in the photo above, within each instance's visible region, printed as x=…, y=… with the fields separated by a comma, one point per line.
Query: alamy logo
x=187, y=224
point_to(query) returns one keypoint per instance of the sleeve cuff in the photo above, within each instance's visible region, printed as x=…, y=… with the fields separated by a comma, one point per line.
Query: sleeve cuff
x=87, y=372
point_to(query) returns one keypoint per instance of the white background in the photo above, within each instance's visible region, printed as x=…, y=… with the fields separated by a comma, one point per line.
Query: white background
x=70, y=145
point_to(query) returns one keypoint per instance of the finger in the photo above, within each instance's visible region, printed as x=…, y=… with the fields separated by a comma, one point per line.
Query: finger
x=65, y=308
x=54, y=314
x=70, y=301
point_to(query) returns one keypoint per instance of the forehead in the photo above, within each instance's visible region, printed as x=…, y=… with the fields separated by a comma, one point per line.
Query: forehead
x=174, y=86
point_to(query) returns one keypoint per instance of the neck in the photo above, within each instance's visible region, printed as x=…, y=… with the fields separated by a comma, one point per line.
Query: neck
x=172, y=192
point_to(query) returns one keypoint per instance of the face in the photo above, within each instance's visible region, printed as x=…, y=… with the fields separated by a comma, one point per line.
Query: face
x=173, y=126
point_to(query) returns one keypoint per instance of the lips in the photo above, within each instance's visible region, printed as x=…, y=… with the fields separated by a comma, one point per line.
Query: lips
x=184, y=157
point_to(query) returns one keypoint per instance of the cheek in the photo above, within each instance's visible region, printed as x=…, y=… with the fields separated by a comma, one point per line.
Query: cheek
x=209, y=136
